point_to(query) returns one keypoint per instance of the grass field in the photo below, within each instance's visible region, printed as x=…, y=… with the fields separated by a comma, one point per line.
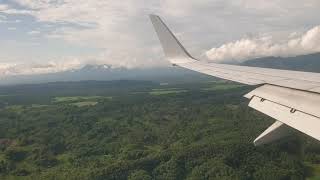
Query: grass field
x=223, y=86
x=39, y=105
x=158, y=92
x=315, y=172
x=75, y=98
x=78, y=98
x=15, y=108
x=80, y=101
x=85, y=103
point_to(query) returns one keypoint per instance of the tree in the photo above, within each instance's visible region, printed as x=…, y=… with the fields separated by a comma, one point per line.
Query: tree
x=139, y=175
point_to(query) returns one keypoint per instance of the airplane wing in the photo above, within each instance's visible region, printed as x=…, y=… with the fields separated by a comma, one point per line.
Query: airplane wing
x=290, y=97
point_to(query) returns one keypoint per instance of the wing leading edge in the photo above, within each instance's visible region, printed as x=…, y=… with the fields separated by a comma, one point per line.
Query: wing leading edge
x=291, y=97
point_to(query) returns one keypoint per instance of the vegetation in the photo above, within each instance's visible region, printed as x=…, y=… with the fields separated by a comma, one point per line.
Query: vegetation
x=167, y=91
x=78, y=98
x=76, y=131
x=222, y=86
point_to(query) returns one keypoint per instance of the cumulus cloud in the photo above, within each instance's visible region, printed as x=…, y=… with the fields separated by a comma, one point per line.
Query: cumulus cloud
x=3, y=7
x=10, y=69
x=33, y=32
x=12, y=28
x=118, y=29
x=69, y=64
x=3, y=19
x=6, y=9
x=246, y=49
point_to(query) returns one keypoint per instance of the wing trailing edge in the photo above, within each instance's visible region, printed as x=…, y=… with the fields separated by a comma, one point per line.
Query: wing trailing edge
x=294, y=108
x=275, y=132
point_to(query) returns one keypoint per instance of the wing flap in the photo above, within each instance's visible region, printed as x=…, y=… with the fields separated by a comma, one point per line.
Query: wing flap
x=306, y=102
x=296, y=119
x=275, y=132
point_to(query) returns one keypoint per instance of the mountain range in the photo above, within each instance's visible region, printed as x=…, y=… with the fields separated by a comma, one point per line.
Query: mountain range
x=309, y=63
x=107, y=73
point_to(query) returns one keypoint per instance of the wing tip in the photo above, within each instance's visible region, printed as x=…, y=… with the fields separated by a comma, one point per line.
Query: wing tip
x=173, y=49
x=153, y=15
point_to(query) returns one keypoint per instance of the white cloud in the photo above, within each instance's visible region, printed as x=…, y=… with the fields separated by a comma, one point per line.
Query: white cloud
x=106, y=25
x=9, y=69
x=3, y=19
x=245, y=49
x=69, y=64
x=12, y=28
x=34, y=32
x=3, y=7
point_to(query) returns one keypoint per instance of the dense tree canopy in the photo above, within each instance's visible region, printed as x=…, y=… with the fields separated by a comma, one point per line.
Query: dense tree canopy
x=142, y=131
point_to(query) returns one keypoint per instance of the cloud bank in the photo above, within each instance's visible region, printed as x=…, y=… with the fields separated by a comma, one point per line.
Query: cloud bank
x=12, y=69
x=246, y=49
x=70, y=64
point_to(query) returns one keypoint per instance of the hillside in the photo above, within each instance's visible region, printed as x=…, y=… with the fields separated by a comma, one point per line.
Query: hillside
x=310, y=63
x=106, y=73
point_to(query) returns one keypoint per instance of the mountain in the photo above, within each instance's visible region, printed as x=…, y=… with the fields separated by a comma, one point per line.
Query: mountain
x=107, y=73
x=310, y=63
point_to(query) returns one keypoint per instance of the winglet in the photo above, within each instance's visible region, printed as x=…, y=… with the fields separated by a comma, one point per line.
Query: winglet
x=173, y=49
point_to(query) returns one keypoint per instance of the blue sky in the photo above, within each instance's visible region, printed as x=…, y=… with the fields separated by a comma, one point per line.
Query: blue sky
x=43, y=36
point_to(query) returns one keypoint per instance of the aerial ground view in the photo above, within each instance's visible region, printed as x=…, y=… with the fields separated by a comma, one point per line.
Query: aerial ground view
x=141, y=130
x=159, y=90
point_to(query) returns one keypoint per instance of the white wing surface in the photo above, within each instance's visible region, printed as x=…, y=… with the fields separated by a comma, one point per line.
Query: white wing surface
x=291, y=97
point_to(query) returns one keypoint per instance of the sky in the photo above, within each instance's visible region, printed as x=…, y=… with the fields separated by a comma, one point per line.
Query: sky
x=45, y=36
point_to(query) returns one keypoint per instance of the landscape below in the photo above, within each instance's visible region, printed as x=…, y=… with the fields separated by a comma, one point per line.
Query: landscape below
x=141, y=130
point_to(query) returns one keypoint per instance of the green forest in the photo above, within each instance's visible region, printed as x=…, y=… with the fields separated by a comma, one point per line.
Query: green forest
x=140, y=130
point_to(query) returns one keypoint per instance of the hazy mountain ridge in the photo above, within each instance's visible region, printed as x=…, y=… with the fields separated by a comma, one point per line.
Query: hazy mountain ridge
x=105, y=72
x=310, y=63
